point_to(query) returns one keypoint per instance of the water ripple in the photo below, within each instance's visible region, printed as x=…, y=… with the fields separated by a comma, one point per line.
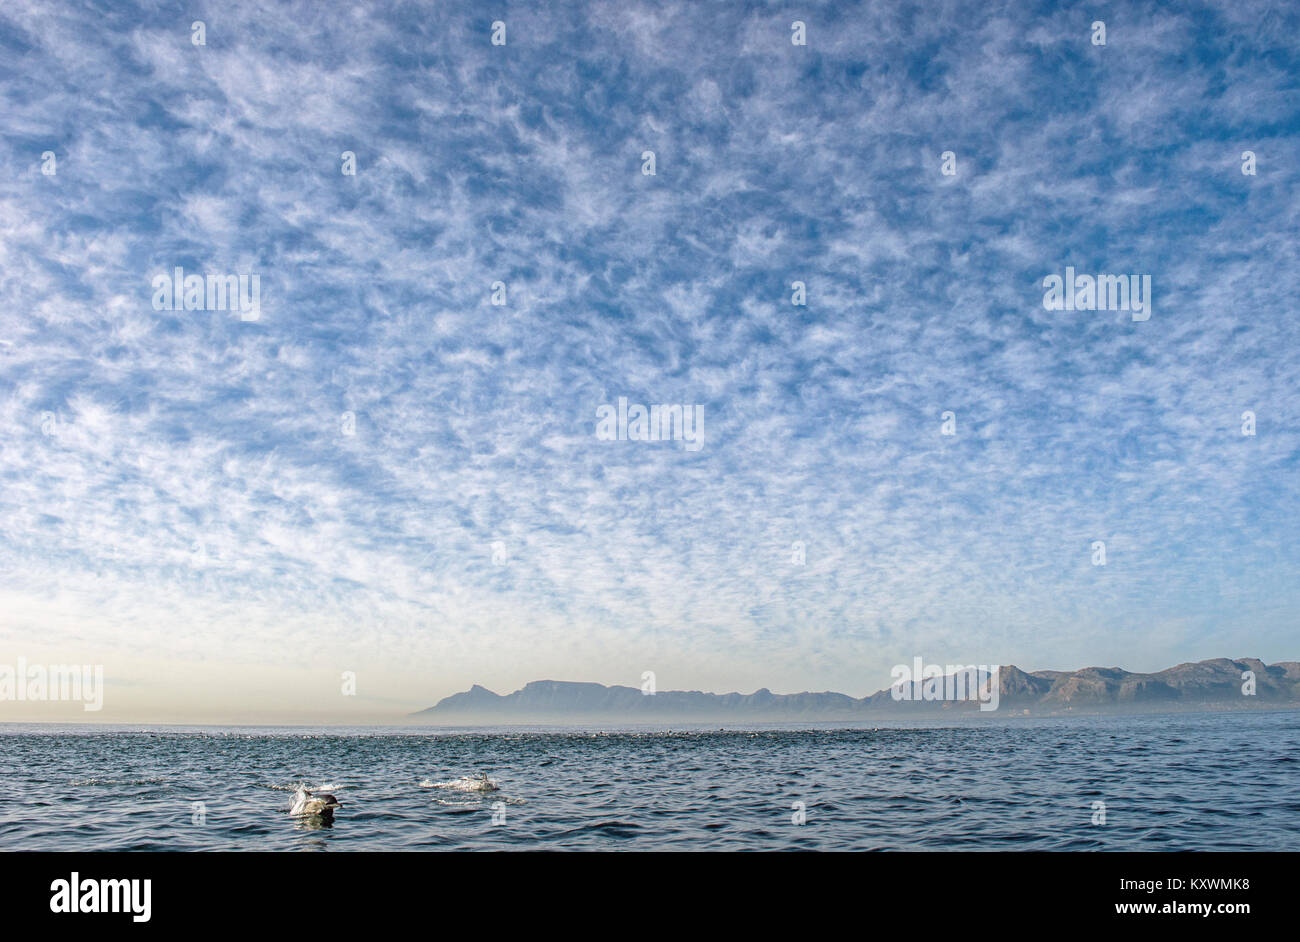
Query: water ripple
x=1186, y=782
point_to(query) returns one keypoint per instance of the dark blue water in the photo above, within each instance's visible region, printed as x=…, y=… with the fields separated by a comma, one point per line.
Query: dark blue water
x=1184, y=782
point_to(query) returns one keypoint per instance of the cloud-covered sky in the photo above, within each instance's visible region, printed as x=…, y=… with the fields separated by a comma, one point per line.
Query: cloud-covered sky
x=179, y=499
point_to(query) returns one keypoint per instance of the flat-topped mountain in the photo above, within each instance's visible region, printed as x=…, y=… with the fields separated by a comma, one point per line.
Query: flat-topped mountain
x=1215, y=684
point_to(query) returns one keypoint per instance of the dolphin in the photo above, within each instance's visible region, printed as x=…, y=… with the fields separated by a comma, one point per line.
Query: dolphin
x=308, y=804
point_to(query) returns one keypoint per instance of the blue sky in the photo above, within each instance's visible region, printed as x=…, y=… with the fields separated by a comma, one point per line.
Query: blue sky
x=199, y=523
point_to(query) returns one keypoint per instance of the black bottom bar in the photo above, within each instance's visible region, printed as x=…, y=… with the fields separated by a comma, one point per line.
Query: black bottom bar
x=731, y=891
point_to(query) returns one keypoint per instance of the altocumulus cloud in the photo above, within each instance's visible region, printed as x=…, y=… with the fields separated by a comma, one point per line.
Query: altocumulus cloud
x=332, y=476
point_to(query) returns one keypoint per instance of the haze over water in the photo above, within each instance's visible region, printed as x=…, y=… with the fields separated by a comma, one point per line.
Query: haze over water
x=1224, y=781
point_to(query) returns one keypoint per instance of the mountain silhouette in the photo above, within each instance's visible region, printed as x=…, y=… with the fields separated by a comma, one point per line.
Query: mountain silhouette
x=1220, y=683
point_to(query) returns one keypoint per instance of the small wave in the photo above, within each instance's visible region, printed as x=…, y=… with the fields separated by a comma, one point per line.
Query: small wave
x=294, y=786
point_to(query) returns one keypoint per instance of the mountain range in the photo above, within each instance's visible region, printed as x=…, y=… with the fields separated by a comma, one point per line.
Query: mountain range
x=1217, y=684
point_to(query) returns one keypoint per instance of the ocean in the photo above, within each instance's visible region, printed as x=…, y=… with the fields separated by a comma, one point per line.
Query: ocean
x=1223, y=781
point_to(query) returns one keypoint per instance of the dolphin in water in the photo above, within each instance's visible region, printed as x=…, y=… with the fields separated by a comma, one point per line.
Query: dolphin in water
x=307, y=804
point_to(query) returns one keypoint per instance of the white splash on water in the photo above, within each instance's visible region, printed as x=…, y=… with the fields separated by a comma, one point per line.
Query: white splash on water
x=478, y=783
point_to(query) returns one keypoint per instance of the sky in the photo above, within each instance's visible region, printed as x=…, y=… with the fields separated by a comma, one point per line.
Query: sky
x=382, y=474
